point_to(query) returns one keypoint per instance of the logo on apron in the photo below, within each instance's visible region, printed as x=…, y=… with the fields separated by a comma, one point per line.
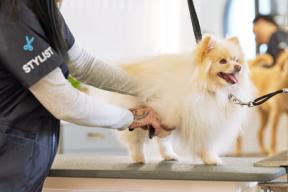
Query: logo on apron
x=29, y=42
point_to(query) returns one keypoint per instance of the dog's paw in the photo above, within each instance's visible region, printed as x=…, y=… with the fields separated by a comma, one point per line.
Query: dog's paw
x=163, y=133
x=212, y=160
x=138, y=159
x=170, y=156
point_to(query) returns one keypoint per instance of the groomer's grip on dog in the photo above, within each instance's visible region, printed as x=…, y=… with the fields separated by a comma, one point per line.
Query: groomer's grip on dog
x=144, y=115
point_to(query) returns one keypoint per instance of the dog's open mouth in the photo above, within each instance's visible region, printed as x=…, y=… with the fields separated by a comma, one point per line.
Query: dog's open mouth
x=230, y=78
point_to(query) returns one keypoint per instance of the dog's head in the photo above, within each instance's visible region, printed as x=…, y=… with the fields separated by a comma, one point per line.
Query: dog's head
x=221, y=63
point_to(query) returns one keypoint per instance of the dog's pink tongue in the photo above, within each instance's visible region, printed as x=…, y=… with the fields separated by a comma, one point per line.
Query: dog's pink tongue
x=232, y=78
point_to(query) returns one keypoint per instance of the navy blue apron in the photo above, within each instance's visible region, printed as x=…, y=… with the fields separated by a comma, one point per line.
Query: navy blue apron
x=277, y=43
x=28, y=132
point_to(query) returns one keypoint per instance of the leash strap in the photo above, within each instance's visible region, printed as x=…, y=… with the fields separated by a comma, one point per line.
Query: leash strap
x=265, y=98
x=257, y=101
x=195, y=21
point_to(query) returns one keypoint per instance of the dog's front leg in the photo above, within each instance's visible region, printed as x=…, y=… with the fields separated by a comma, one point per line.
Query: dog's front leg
x=136, y=141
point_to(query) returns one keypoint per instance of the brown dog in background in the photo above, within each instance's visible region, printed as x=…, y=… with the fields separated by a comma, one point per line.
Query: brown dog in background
x=269, y=80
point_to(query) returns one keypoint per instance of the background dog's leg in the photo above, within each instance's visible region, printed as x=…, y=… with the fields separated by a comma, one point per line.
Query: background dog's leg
x=287, y=130
x=166, y=149
x=238, y=150
x=274, y=119
x=264, y=116
x=136, y=144
x=211, y=159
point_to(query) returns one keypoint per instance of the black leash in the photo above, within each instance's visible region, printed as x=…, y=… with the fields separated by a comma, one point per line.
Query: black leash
x=257, y=101
x=195, y=21
x=264, y=98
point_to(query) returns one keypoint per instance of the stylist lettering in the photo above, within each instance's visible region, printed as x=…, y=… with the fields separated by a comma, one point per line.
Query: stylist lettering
x=38, y=60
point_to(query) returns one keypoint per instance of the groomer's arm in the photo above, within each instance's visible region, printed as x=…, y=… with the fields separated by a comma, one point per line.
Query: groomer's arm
x=67, y=103
x=92, y=71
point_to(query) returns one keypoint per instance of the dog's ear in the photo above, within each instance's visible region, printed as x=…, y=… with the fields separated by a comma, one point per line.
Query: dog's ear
x=207, y=44
x=234, y=40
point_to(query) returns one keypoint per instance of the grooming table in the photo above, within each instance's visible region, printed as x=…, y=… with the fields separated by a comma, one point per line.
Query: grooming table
x=76, y=173
x=278, y=160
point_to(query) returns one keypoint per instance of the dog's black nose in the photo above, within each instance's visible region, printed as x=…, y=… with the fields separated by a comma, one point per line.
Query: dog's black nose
x=238, y=68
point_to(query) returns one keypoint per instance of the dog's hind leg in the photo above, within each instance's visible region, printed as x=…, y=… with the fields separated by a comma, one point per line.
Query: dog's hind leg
x=166, y=149
x=275, y=115
x=264, y=116
x=287, y=130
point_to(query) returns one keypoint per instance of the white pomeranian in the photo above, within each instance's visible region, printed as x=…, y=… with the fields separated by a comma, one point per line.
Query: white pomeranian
x=190, y=92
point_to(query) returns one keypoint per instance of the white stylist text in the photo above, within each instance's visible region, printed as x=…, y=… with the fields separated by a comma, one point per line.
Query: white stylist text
x=38, y=60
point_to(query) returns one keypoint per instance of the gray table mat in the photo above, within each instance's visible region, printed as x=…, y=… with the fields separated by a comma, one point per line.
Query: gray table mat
x=233, y=169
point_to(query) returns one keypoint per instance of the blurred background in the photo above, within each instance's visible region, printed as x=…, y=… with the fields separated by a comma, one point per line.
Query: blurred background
x=125, y=30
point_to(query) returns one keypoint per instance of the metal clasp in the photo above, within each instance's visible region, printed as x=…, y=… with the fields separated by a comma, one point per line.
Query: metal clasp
x=237, y=101
x=285, y=90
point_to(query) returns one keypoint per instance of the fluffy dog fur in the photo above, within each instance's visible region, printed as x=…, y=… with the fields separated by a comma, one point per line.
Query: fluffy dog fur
x=191, y=92
x=268, y=80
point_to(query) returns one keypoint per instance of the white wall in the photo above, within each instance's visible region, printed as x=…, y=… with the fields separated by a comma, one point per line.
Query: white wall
x=121, y=29
x=212, y=17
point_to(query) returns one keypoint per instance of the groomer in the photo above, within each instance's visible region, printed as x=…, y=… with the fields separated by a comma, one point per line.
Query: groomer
x=267, y=32
x=37, y=53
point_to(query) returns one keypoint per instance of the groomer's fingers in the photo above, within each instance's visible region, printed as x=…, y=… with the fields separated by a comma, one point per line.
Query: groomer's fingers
x=168, y=128
x=144, y=115
x=156, y=123
x=156, y=132
x=157, y=126
x=158, y=118
x=144, y=128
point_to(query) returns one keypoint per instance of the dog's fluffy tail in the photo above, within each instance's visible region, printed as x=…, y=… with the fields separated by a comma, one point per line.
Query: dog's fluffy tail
x=261, y=60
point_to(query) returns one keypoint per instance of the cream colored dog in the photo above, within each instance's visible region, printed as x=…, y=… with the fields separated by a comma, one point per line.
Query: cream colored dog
x=190, y=92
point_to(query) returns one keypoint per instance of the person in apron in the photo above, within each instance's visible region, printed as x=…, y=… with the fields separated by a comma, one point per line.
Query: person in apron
x=37, y=53
x=268, y=32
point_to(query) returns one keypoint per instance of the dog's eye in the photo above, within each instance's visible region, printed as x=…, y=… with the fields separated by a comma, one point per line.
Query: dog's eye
x=223, y=61
x=237, y=60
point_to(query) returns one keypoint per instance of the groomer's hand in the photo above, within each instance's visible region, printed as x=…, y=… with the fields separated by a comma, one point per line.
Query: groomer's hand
x=143, y=116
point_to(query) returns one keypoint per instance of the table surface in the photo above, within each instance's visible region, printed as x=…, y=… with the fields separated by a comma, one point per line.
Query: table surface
x=233, y=169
